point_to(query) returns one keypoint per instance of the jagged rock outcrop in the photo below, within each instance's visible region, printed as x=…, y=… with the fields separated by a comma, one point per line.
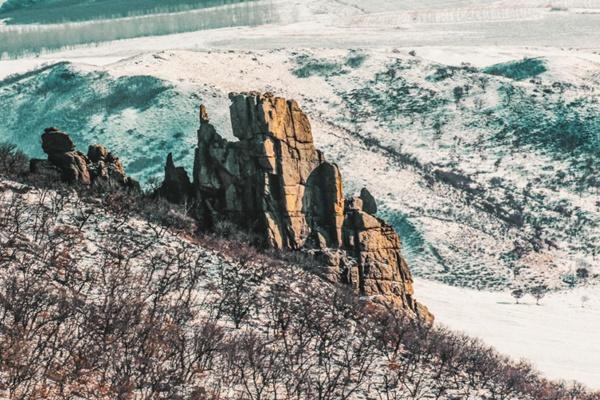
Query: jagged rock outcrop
x=71, y=164
x=376, y=247
x=99, y=166
x=274, y=182
x=176, y=187
x=273, y=179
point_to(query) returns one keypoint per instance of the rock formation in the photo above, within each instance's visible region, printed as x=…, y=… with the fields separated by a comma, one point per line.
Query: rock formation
x=99, y=166
x=369, y=202
x=273, y=179
x=274, y=182
x=176, y=187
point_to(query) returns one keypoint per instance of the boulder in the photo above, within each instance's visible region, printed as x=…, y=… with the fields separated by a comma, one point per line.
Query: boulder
x=106, y=169
x=97, y=153
x=73, y=165
x=369, y=202
x=62, y=154
x=56, y=142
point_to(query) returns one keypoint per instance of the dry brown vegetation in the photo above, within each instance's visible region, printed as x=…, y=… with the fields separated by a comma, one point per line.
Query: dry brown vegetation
x=97, y=301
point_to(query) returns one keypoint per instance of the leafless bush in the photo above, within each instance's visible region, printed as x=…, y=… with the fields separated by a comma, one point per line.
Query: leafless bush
x=98, y=305
x=13, y=162
x=171, y=216
x=237, y=290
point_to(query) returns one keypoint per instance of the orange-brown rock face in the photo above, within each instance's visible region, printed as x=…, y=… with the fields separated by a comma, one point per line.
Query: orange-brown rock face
x=62, y=154
x=273, y=179
x=275, y=182
x=376, y=247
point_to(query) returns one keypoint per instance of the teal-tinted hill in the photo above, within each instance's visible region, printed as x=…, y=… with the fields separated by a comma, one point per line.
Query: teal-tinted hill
x=140, y=118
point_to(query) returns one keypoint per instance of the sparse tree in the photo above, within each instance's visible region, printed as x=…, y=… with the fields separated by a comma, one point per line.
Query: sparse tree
x=539, y=292
x=517, y=294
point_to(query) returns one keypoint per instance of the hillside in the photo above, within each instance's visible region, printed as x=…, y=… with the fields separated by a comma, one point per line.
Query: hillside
x=136, y=115
x=473, y=123
x=502, y=156
x=107, y=295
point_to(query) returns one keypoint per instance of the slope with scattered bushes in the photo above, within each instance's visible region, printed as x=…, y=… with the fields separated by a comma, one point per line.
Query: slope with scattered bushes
x=107, y=295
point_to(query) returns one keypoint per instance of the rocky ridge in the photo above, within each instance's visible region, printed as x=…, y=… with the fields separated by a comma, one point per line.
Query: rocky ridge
x=275, y=183
x=99, y=166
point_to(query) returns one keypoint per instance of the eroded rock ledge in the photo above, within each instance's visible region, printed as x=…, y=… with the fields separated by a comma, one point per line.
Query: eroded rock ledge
x=274, y=182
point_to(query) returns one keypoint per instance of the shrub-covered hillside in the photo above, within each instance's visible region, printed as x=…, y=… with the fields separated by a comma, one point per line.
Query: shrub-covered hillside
x=105, y=295
x=499, y=161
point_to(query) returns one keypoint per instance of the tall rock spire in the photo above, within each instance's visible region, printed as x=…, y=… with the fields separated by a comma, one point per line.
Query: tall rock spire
x=274, y=182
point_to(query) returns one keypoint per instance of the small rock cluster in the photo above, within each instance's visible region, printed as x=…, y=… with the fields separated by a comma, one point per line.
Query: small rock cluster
x=274, y=182
x=99, y=166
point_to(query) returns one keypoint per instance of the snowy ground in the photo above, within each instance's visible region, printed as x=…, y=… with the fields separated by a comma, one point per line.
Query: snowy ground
x=560, y=337
x=386, y=23
x=347, y=110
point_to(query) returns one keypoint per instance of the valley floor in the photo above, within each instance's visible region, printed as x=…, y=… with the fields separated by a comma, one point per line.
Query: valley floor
x=560, y=337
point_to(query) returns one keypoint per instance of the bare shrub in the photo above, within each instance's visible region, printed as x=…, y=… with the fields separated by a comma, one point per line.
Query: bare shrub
x=13, y=162
x=238, y=297
x=98, y=305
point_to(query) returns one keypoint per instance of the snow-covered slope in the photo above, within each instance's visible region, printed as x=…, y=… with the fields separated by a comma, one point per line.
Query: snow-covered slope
x=472, y=167
x=558, y=336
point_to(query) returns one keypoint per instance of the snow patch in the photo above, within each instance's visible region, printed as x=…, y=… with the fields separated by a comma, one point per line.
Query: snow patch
x=560, y=336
